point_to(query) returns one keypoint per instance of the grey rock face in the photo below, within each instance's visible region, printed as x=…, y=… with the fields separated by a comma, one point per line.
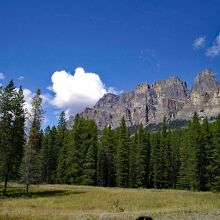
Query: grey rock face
x=149, y=103
x=204, y=96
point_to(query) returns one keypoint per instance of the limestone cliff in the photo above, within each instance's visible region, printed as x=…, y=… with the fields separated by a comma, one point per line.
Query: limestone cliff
x=149, y=103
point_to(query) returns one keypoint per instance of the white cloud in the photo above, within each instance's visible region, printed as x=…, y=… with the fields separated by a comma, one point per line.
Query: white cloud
x=214, y=50
x=74, y=92
x=2, y=76
x=20, y=78
x=199, y=42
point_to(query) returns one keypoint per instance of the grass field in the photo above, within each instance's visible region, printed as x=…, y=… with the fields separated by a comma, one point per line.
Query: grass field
x=83, y=202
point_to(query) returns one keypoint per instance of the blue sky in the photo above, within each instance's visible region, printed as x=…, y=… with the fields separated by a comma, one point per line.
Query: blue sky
x=124, y=42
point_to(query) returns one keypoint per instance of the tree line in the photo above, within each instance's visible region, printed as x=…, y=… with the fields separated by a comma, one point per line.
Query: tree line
x=186, y=158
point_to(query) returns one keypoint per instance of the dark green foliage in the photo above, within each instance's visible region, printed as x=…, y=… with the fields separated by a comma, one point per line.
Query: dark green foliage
x=75, y=153
x=31, y=163
x=191, y=157
x=173, y=125
x=133, y=169
x=49, y=155
x=82, y=152
x=62, y=147
x=204, y=156
x=12, y=118
x=156, y=160
x=185, y=151
x=165, y=152
x=214, y=165
x=106, y=158
x=143, y=151
x=90, y=163
x=122, y=155
x=175, y=142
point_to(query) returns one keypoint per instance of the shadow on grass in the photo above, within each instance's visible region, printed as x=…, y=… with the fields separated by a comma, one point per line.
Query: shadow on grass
x=16, y=192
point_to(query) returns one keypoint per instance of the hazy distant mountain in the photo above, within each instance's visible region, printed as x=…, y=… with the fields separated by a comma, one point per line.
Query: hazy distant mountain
x=150, y=102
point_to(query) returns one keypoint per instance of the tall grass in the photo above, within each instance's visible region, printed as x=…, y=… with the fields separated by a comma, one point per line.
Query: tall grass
x=83, y=202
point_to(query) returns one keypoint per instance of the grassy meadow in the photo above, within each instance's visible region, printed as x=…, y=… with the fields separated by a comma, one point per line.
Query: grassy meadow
x=84, y=202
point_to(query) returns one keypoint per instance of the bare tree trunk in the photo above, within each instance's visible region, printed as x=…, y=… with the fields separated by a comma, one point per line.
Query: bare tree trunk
x=27, y=187
x=28, y=171
x=6, y=178
x=6, y=183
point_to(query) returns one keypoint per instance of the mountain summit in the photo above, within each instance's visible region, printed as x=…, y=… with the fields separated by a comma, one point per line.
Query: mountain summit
x=148, y=103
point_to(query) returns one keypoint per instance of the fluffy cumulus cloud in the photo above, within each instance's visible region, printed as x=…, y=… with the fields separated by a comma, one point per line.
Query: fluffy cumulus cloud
x=199, y=42
x=214, y=50
x=74, y=92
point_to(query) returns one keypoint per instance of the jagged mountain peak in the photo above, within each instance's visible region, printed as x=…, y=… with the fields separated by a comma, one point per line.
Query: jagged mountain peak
x=107, y=99
x=206, y=81
x=148, y=103
x=206, y=75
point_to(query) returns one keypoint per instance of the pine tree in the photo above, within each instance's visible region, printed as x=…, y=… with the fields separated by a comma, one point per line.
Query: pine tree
x=156, y=160
x=133, y=166
x=30, y=168
x=45, y=154
x=18, y=135
x=175, y=143
x=190, y=172
x=90, y=163
x=76, y=153
x=122, y=161
x=206, y=147
x=214, y=168
x=12, y=117
x=49, y=155
x=6, y=102
x=62, y=145
x=143, y=158
x=165, y=155
x=106, y=158
x=183, y=180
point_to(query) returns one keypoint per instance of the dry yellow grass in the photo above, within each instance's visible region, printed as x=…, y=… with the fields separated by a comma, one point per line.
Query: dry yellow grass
x=83, y=202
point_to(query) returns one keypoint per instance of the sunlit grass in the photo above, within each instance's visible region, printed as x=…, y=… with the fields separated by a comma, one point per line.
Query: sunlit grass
x=83, y=202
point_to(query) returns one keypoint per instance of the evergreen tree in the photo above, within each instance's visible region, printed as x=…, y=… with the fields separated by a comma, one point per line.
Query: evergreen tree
x=143, y=158
x=18, y=134
x=183, y=180
x=190, y=171
x=12, y=117
x=122, y=161
x=214, y=167
x=62, y=145
x=45, y=153
x=133, y=166
x=204, y=156
x=49, y=155
x=30, y=169
x=165, y=155
x=90, y=163
x=106, y=158
x=156, y=160
x=175, y=143
x=76, y=153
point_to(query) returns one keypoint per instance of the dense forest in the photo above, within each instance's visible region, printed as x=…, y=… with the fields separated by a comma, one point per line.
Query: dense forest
x=186, y=158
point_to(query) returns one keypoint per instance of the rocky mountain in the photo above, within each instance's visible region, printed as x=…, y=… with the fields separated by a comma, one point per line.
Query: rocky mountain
x=148, y=103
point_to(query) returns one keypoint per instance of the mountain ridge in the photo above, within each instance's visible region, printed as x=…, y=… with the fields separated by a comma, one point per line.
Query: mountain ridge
x=149, y=103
